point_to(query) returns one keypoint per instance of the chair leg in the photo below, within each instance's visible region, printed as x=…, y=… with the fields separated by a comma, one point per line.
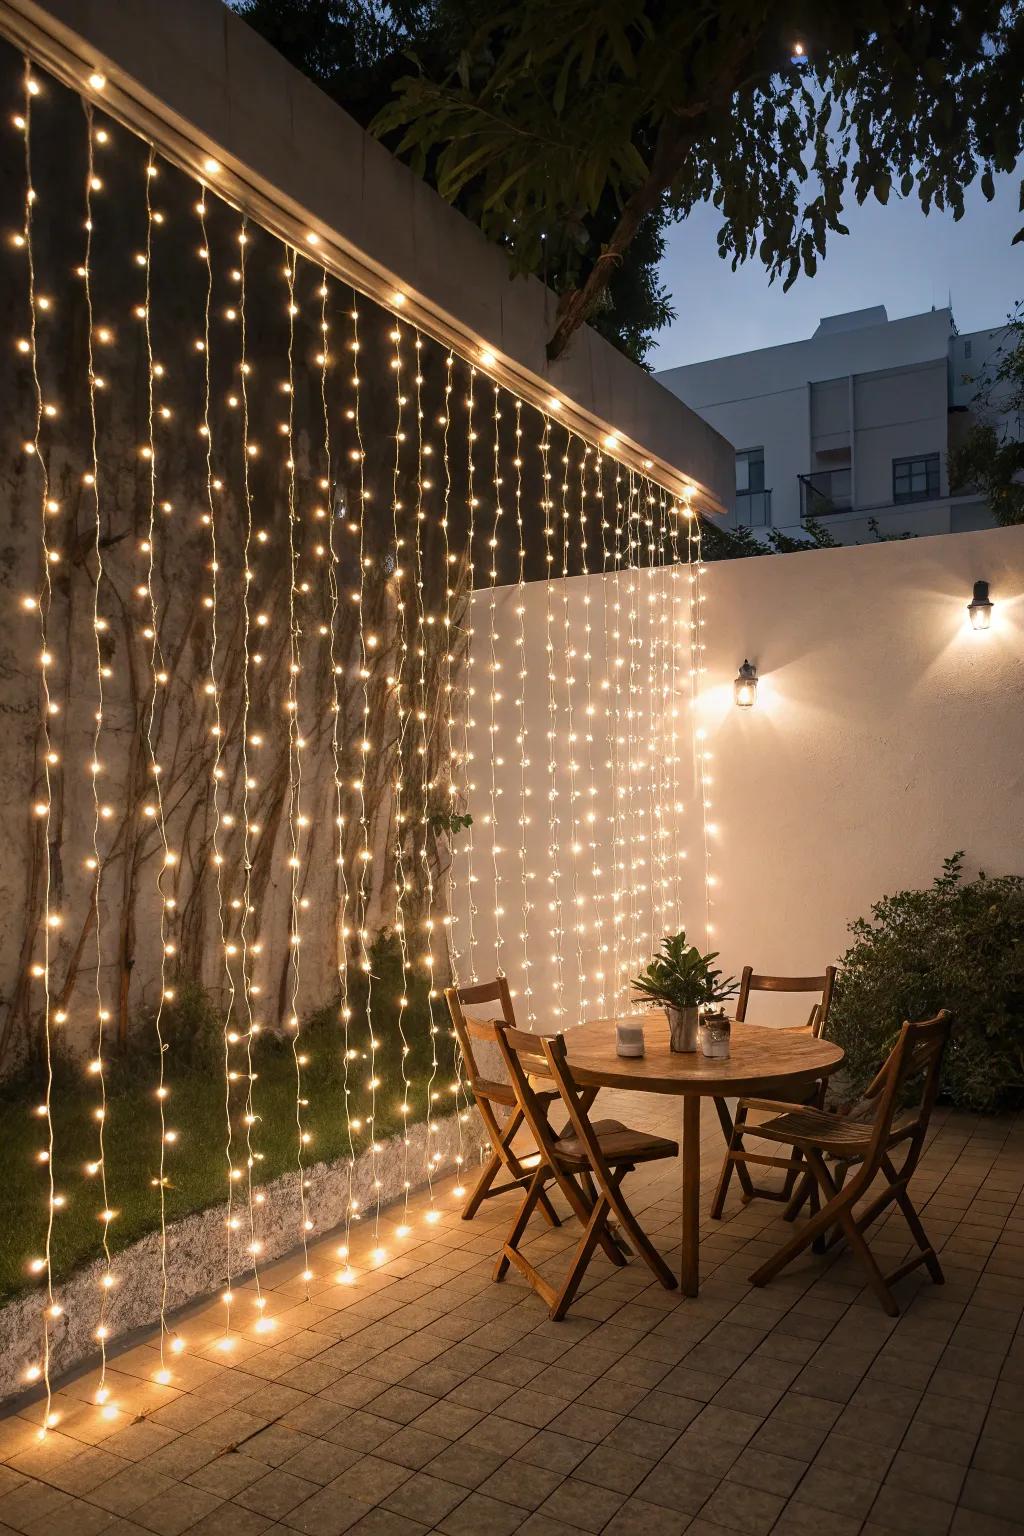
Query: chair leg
x=913, y=1220
x=582, y=1208
x=726, y=1122
x=533, y=1194
x=553, y=1218
x=584, y=1252
x=818, y=1226
x=876, y=1279
x=641, y=1241
x=800, y=1196
x=733, y=1143
x=483, y=1187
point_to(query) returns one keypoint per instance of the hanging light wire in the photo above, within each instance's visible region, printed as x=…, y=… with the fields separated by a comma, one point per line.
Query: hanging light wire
x=44, y=808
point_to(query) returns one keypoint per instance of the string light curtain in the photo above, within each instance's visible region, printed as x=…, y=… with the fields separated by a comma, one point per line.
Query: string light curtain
x=353, y=672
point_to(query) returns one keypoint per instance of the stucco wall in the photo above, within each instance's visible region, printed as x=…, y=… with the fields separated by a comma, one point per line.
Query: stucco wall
x=887, y=734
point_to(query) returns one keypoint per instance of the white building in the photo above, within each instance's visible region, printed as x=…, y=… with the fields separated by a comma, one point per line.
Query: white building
x=851, y=426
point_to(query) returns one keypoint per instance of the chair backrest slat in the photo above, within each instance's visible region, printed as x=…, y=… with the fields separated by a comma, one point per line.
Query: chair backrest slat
x=824, y=985
x=917, y=1054
x=468, y=1029
x=556, y=1056
x=524, y=1057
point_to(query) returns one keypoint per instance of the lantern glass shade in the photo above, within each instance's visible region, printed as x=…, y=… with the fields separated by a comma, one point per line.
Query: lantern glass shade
x=744, y=689
x=980, y=606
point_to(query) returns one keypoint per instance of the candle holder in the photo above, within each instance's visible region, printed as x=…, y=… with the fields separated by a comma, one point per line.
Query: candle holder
x=629, y=1039
x=714, y=1033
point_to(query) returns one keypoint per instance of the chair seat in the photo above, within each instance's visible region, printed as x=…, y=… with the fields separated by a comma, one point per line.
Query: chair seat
x=836, y=1135
x=618, y=1145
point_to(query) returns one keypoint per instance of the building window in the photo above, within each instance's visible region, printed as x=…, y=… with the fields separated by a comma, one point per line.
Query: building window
x=753, y=502
x=915, y=479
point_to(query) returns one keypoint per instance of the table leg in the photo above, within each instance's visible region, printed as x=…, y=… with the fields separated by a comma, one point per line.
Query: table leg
x=690, y=1272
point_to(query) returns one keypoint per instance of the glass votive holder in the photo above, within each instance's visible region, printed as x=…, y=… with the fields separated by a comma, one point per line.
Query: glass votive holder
x=714, y=1033
x=629, y=1039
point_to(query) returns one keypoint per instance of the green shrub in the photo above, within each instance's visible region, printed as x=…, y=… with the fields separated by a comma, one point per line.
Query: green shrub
x=958, y=945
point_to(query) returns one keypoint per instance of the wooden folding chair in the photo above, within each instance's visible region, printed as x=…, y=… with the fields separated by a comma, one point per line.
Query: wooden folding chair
x=865, y=1146
x=490, y=1093
x=588, y=1163
x=736, y=1155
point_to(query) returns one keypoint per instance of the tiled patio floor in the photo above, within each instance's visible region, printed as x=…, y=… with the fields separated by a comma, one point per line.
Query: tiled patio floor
x=423, y=1397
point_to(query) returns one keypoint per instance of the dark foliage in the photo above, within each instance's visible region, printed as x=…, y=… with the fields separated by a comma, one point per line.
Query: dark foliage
x=958, y=945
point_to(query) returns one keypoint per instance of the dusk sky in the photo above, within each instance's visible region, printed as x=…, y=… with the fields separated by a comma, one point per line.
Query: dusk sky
x=893, y=256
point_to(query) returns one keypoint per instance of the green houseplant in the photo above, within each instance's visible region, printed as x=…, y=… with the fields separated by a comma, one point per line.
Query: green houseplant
x=683, y=981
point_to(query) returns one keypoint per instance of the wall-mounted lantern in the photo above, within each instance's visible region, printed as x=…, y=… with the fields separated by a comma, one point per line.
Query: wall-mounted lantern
x=980, y=606
x=744, y=689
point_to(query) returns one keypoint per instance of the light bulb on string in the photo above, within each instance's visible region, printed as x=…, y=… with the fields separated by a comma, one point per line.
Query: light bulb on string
x=213, y=691
x=553, y=850
x=249, y=946
x=569, y=679
x=167, y=860
x=494, y=693
x=365, y=747
x=468, y=786
x=341, y=887
x=100, y=673
x=399, y=685
x=522, y=674
x=43, y=606
x=294, y=794
x=590, y=812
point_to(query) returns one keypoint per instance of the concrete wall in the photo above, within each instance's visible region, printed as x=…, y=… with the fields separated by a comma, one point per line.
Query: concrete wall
x=879, y=390
x=825, y=355
x=200, y=81
x=887, y=734
x=897, y=414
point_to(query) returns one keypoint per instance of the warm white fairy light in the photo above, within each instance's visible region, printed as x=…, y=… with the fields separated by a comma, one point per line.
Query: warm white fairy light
x=553, y=860
x=97, y=861
x=364, y=751
x=403, y=711
x=569, y=678
x=522, y=740
x=470, y=690
x=337, y=751
x=592, y=816
x=450, y=561
x=634, y=799
x=295, y=767
x=447, y=705
x=678, y=850
x=702, y=758
x=249, y=783
x=247, y=942
x=213, y=691
x=494, y=690
x=410, y=692
x=427, y=728
x=652, y=631
x=158, y=678
x=43, y=602
x=613, y=687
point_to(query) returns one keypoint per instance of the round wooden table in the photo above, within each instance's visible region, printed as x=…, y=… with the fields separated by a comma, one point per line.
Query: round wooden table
x=763, y=1062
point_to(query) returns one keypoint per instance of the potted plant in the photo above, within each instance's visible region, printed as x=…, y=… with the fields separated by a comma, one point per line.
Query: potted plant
x=683, y=981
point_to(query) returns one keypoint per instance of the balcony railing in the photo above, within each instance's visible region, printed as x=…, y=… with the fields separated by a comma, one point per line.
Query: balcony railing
x=824, y=492
x=754, y=509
